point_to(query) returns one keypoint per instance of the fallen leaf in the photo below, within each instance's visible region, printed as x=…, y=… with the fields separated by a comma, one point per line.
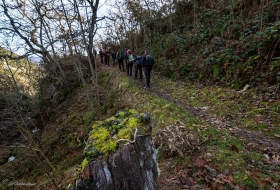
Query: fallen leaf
x=229, y=179
x=213, y=185
x=185, y=180
x=276, y=158
x=263, y=183
x=234, y=148
x=211, y=170
x=232, y=131
x=201, y=162
x=266, y=156
x=200, y=173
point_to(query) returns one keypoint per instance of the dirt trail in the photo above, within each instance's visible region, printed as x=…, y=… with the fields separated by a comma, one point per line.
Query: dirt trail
x=254, y=139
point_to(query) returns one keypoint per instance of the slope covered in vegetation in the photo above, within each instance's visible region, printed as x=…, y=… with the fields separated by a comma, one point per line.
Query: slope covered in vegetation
x=232, y=43
x=217, y=155
x=17, y=87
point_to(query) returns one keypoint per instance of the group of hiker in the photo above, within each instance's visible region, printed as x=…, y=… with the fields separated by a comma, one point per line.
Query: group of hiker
x=139, y=63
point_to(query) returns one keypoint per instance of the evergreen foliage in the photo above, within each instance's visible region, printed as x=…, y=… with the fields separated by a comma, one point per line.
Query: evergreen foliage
x=225, y=42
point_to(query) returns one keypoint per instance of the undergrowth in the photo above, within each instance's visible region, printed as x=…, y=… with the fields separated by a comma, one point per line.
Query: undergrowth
x=228, y=153
x=223, y=152
x=232, y=50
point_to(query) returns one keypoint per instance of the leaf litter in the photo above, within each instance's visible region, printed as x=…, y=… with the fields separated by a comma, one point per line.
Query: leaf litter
x=202, y=171
x=253, y=141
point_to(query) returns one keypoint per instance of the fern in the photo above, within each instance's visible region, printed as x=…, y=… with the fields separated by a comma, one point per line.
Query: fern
x=215, y=71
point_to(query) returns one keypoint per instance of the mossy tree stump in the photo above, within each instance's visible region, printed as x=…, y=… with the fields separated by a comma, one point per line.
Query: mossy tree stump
x=120, y=154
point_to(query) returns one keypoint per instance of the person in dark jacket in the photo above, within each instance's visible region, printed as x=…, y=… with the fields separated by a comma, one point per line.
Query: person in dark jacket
x=101, y=54
x=120, y=59
x=113, y=54
x=107, y=58
x=138, y=66
x=147, y=66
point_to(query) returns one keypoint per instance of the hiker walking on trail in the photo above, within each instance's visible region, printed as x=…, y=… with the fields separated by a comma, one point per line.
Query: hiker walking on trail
x=107, y=58
x=138, y=66
x=126, y=56
x=129, y=64
x=148, y=64
x=113, y=54
x=120, y=59
x=101, y=54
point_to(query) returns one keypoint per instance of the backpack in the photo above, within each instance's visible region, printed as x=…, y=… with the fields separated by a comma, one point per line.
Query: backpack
x=139, y=60
x=130, y=58
x=126, y=55
x=120, y=54
x=149, y=60
x=107, y=56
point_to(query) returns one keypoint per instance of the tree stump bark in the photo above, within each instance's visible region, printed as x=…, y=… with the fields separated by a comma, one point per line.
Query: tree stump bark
x=134, y=167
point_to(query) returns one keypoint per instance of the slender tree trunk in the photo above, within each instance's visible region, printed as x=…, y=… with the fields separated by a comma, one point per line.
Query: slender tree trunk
x=89, y=44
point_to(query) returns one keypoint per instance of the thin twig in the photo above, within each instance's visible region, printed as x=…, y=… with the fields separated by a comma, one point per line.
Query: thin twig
x=22, y=146
x=127, y=140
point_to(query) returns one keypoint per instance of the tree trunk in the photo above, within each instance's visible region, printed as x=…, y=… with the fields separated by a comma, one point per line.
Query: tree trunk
x=134, y=167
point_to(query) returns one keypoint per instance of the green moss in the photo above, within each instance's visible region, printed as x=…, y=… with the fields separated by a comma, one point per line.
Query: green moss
x=109, y=147
x=132, y=122
x=100, y=135
x=105, y=134
x=124, y=134
x=96, y=124
x=84, y=163
x=103, y=139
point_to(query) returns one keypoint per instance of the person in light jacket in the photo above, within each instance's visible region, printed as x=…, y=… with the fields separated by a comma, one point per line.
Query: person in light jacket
x=130, y=62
